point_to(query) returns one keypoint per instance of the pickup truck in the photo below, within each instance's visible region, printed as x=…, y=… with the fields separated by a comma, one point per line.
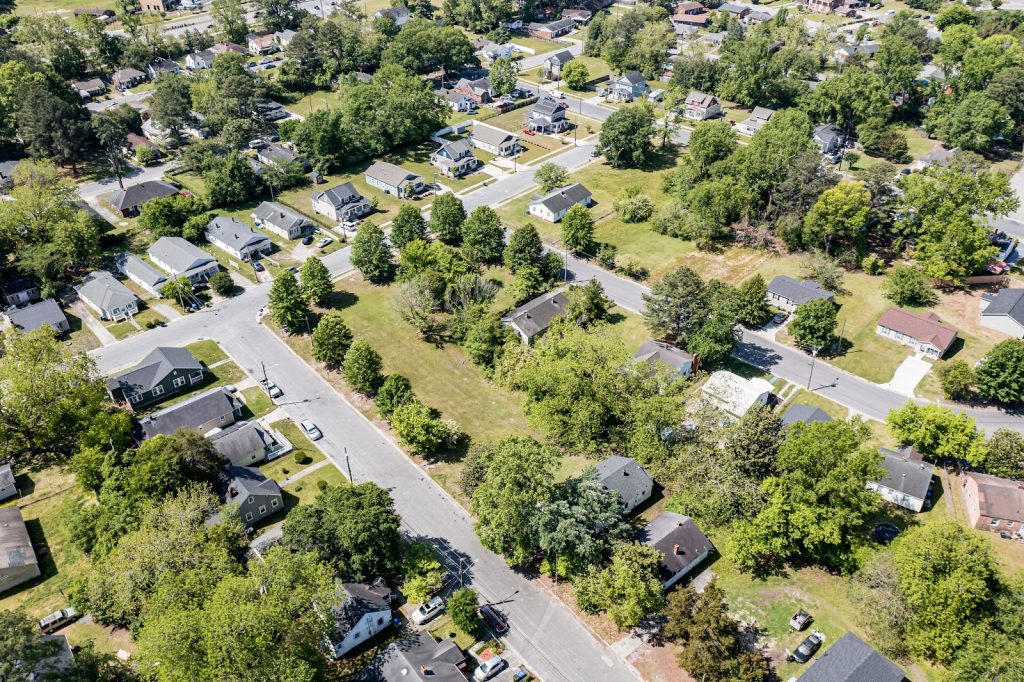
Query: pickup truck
x=271, y=388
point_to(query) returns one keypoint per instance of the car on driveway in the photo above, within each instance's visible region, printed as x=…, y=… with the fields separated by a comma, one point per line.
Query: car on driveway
x=258, y=266
x=780, y=318
x=307, y=240
x=312, y=432
x=58, y=619
x=489, y=668
x=884, y=533
x=323, y=242
x=428, y=610
x=808, y=647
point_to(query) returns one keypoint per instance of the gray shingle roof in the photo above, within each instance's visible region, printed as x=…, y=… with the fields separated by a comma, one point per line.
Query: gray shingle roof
x=134, y=196
x=906, y=472
x=246, y=481
x=152, y=369
x=279, y=215
x=564, y=198
x=37, y=315
x=797, y=291
x=275, y=153
x=700, y=99
x=561, y=57
x=417, y=658
x=633, y=78
x=658, y=351
x=491, y=135
x=179, y=254
x=354, y=601
x=15, y=543
x=1009, y=302
x=239, y=441
x=191, y=413
x=669, y=529
x=534, y=316
x=104, y=291
x=623, y=475
x=457, y=148
x=234, y=233
x=6, y=476
x=851, y=660
x=339, y=196
x=827, y=132
x=799, y=412
x=547, y=106
x=389, y=173
x=130, y=264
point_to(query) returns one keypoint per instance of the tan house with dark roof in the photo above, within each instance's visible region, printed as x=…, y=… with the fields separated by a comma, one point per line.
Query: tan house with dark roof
x=924, y=333
x=993, y=503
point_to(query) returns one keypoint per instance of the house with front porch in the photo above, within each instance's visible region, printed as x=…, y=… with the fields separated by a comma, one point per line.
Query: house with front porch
x=493, y=140
x=165, y=372
x=700, y=106
x=237, y=239
x=628, y=86
x=182, y=258
x=109, y=298
x=454, y=158
x=925, y=333
x=340, y=203
x=394, y=180
x=547, y=116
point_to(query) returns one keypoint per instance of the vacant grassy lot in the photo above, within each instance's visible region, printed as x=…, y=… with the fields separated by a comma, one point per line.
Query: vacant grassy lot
x=25, y=8
x=538, y=45
x=80, y=339
x=305, y=490
x=832, y=409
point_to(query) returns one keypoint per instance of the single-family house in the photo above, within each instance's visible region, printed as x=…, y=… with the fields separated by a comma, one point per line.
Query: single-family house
x=127, y=78
x=214, y=409
x=550, y=30
x=805, y=414
x=924, y=333
x=142, y=273
x=87, y=89
x=109, y=298
x=18, y=563
x=680, y=542
x=282, y=156
x=628, y=87
x=343, y=202
x=100, y=14
x=715, y=38
x=226, y=46
x=758, y=117
x=199, y=60
x=1004, y=312
x=455, y=100
x=454, y=158
x=863, y=50
x=359, y=614
x=931, y=73
x=734, y=10
x=8, y=484
x=161, y=67
x=787, y=293
x=554, y=62
x=137, y=142
x=659, y=354
x=907, y=478
x=421, y=658
x=733, y=394
x=280, y=220
x=489, y=50
x=533, y=317
x=700, y=106
x=547, y=115
x=36, y=315
x=400, y=14
x=494, y=140
x=687, y=24
x=829, y=138
x=579, y=16
x=478, y=89
x=850, y=659
x=939, y=157
x=284, y=38
x=758, y=17
x=237, y=238
x=395, y=180
x=129, y=200
x=21, y=290
x=822, y=6
x=261, y=44
x=688, y=8
x=630, y=480
x=246, y=443
x=255, y=495
x=552, y=207
x=166, y=371
x=994, y=503
x=182, y=258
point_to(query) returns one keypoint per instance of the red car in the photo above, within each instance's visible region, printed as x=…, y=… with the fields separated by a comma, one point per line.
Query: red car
x=527, y=131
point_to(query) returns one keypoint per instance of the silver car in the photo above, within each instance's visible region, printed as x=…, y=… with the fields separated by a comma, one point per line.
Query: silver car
x=428, y=610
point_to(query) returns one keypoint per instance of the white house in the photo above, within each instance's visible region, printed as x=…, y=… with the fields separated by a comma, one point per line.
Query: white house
x=261, y=44
x=533, y=317
x=280, y=220
x=199, y=60
x=733, y=394
x=108, y=297
x=700, y=106
x=454, y=158
x=1004, y=312
x=494, y=140
x=907, y=478
x=8, y=486
x=787, y=293
x=360, y=613
x=181, y=258
x=343, y=202
x=237, y=238
x=924, y=333
x=757, y=119
x=142, y=273
x=553, y=207
x=680, y=542
x=630, y=480
x=400, y=14
x=392, y=179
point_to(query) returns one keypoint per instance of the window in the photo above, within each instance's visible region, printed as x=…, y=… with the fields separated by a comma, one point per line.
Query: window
x=179, y=382
x=158, y=390
x=251, y=499
x=994, y=522
x=196, y=377
x=135, y=398
x=248, y=516
x=263, y=509
x=273, y=504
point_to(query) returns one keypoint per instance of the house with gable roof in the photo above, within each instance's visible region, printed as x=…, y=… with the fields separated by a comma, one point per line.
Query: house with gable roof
x=103, y=293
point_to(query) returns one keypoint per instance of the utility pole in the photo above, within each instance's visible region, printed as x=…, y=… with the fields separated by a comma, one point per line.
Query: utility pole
x=263, y=366
x=814, y=355
x=348, y=466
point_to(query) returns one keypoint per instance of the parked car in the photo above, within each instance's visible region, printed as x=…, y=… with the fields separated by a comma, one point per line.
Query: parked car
x=323, y=242
x=494, y=619
x=294, y=269
x=307, y=240
x=489, y=668
x=257, y=144
x=271, y=388
x=258, y=266
x=58, y=619
x=266, y=60
x=312, y=432
x=428, y=610
x=780, y=318
x=808, y=647
x=884, y=533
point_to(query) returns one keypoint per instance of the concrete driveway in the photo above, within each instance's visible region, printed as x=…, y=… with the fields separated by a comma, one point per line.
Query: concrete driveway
x=908, y=375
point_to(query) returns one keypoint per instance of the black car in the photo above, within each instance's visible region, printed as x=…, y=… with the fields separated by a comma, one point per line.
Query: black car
x=494, y=619
x=807, y=647
x=884, y=533
x=307, y=240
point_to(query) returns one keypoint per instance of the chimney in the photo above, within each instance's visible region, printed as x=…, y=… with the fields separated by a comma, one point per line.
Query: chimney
x=675, y=550
x=232, y=493
x=625, y=473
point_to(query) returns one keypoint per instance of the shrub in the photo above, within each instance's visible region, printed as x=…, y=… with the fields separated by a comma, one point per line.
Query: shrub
x=956, y=379
x=321, y=485
x=908, y=285
x=872, y=264
x=221, y=284
x=146, y=156
x=631, y=267
x=301, y=458
x=635, y=208
x=606, y=256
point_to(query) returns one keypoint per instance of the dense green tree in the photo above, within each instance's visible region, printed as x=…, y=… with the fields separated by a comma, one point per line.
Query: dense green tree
x=550, y=175
x=625, y=139
x=575, y=74
x=1007, y=88
x=628, y=589
x=462, y=607
x=1006, y=454
x=588, y=304
x=938, y=433
x=316, y=280
x=524, y=248
x=897, y=62
x=503, y=74
x=711, y=141
x=972, y=123
x=839, y=213
x=423, y=47
x=331, y=340
x=957, y=380
x=814, y=324
x=395, y=391
x=287, y=302
x=519, y=477
x=578, y=229
x=1001, y=372
x=850, y=99
x=674, y=309
x=51, y=127
x=424, y=574
x=420, y=429
x=170, y=106
x=753, y=300
x=483, y=237
x=279, y=15
x=222, y=284
x=407, y=226
x=353, y=528
x=362, y=367
x=986, y=655
x=752, y=443
x=484, y=340
x=229, y=20
x=907, y=285
x=693, y=71
x=22, y=650
x=749, y=73
x=983, y=60
x=371, y=253
x=112, y=136
x=952, y=15
x=447, y=215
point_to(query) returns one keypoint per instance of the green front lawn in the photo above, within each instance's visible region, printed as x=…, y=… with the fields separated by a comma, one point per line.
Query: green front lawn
x=832, y=409
x=122, y=330
x=281, y=468
x=80, y=339
x=538, y=45
x=258, y=402
x=444, y=628
x=207, y=351
x=305, y=490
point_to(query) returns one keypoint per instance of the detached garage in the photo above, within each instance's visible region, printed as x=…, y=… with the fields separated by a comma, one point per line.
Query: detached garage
x=18, y=563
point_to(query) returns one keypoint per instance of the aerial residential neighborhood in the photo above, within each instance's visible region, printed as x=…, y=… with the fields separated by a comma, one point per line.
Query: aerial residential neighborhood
x=476, y=340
